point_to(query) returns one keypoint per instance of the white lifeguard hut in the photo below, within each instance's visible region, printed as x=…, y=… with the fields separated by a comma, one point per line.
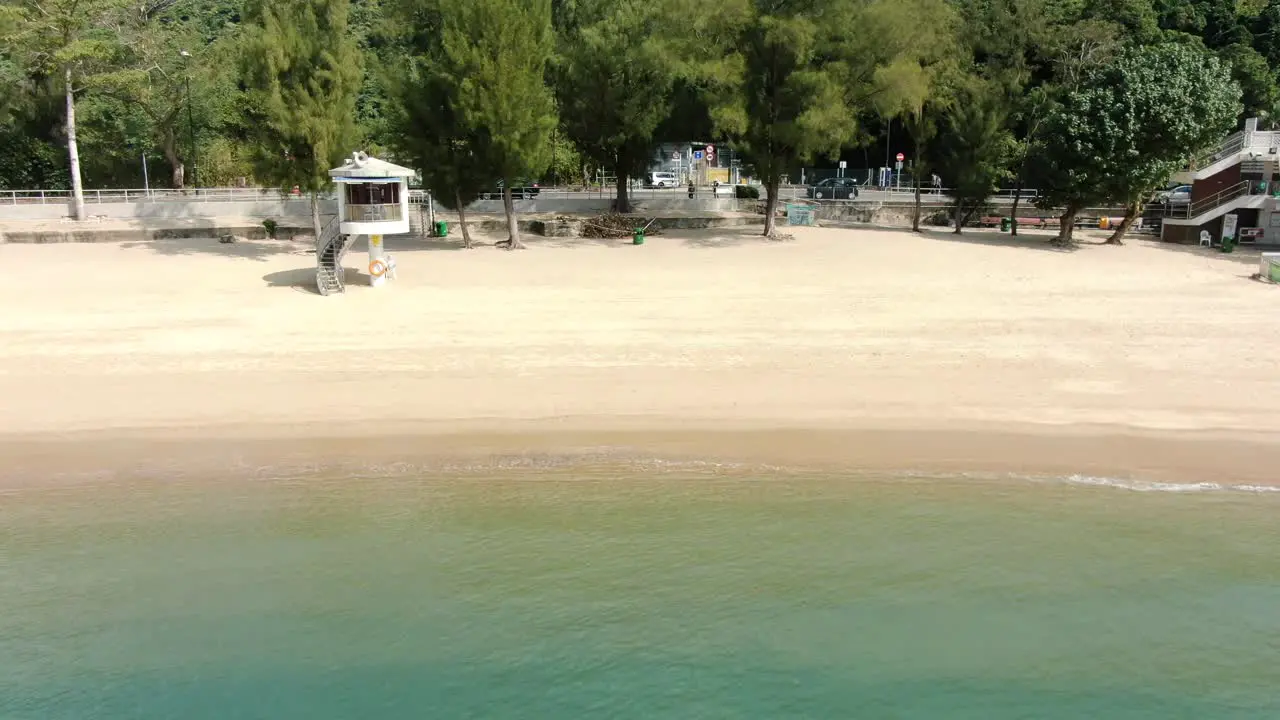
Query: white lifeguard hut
x=373, y=200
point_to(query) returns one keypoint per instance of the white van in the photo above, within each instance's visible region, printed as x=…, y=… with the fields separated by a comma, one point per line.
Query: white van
x=662, y=180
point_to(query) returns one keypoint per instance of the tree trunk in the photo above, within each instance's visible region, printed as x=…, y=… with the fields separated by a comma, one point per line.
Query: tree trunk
x=169, y=144
x=1067, y=225
x=959, y=217
x=1130, y=214
x=771, y=206
x=462, y=220
x=624, y=203
x=513, y=227
x=73, y=152
x=1013, y=213
x=915, y=216
x=315, y=215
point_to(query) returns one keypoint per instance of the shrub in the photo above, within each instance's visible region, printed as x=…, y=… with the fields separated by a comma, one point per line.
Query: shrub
x=271, y=226
x=746, y=192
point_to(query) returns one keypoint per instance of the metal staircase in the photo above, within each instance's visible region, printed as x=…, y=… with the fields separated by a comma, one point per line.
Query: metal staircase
x=331, y=246
x=1244, y=194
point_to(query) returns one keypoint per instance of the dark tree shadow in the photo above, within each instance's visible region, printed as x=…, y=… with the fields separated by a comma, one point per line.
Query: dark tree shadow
x=1242, y=255
x=731, y=237
x=304, y=279
x=258, y=250
x=972, y=236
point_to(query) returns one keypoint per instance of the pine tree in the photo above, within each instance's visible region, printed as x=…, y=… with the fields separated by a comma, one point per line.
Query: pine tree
x=430, y=129
x=304, y=72
x=496, y=54
x=613, y=75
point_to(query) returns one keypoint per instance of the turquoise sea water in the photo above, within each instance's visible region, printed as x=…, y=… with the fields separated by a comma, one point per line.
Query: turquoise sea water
x=626, y=592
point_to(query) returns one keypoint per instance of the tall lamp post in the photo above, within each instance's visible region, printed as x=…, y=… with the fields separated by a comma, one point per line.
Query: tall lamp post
x=191, y=123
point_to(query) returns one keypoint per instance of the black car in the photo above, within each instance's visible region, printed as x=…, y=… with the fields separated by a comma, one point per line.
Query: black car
x=520, y=190
x=834, y=189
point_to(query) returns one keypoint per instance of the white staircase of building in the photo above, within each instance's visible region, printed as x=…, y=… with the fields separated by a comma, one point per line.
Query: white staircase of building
x=331, y=246
x=1237, y=197
x=1248, y=145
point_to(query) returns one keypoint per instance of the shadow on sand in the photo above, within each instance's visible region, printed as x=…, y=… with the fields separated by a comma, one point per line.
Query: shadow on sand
x=1249, y=256
x=258, y=250
x=1025, y=241
x=304, y=279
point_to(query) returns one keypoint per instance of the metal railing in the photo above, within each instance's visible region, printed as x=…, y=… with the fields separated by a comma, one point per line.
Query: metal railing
x=928, y=195
x=1186, y=211
x=132, y=195
x=1230, y=146
x=373, y=213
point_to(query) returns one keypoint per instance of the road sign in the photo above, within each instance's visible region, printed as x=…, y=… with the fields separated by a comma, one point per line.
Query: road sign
x=897, y=165
x=900, y=158
x=843, y=164
x=675, y=156
x=697, y=154
x=711, y=149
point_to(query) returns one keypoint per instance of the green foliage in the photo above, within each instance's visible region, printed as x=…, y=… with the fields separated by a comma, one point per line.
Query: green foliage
x=808, y=69
x=431, y=131
x=1255, y=77
x=1131, y=124
x=975, y=149
x=746, y=192
x=497, y=52
x=613, y=76
x=304, y=72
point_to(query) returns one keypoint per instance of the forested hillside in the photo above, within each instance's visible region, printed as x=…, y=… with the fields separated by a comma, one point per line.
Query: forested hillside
x=211, y=91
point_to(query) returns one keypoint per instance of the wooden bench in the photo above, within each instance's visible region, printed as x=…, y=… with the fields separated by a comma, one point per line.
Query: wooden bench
x=1038, y=222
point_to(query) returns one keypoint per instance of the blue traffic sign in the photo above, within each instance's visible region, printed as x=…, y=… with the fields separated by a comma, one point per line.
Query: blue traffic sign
x=697, y=154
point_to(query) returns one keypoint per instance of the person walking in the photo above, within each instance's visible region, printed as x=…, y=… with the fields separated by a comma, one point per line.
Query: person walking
x=937, y=184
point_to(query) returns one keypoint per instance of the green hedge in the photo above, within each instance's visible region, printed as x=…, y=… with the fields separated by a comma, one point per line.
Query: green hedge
x=746, y=192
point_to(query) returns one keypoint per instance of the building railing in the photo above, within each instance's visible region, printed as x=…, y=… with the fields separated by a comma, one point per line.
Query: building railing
x=1262, y=142
x=373, y=213
x=1186, y=211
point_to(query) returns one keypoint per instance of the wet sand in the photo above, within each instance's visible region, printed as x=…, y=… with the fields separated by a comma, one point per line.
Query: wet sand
x=852, y=347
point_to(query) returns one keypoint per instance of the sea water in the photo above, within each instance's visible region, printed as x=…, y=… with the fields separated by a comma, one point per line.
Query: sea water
x=637, y=592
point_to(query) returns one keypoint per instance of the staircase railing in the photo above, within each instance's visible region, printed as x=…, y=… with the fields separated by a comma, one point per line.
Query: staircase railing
x=327, y=233
x=1204, y=205
x=1230, y=146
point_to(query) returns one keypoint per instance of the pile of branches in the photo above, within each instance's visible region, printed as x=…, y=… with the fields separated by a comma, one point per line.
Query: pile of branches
x=613, y=225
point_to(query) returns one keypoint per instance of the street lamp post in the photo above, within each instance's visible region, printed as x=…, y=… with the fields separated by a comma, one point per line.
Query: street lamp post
x=191, y=124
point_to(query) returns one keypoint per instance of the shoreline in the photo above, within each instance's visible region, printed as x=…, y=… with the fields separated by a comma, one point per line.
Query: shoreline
x=1127, y=454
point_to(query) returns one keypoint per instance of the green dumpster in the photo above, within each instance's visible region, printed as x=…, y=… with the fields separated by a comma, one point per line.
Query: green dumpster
x=638, y=237
x=1006, y=224
x=440, y=229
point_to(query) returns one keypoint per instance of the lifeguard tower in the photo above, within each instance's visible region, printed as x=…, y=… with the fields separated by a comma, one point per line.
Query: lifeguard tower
x=373, y=200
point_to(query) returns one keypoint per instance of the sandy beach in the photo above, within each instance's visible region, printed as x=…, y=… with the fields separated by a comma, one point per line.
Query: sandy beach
x=871, y=348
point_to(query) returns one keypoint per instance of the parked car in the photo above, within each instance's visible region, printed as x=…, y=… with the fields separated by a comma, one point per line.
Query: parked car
x=661, y=180
x=521, y=189
x=834, y=189
x=1180, y=195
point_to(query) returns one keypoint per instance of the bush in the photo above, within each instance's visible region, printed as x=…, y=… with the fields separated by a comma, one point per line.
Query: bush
x=746, y=192
x=270, y=226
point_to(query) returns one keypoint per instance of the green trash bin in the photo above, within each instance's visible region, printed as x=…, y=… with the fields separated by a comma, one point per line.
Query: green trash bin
x=440, y=229
x=1228, y=244
x=638, y=237
x=1006, y=224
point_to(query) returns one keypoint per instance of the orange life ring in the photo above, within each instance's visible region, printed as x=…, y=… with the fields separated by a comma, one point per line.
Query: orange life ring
x=377, y=268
